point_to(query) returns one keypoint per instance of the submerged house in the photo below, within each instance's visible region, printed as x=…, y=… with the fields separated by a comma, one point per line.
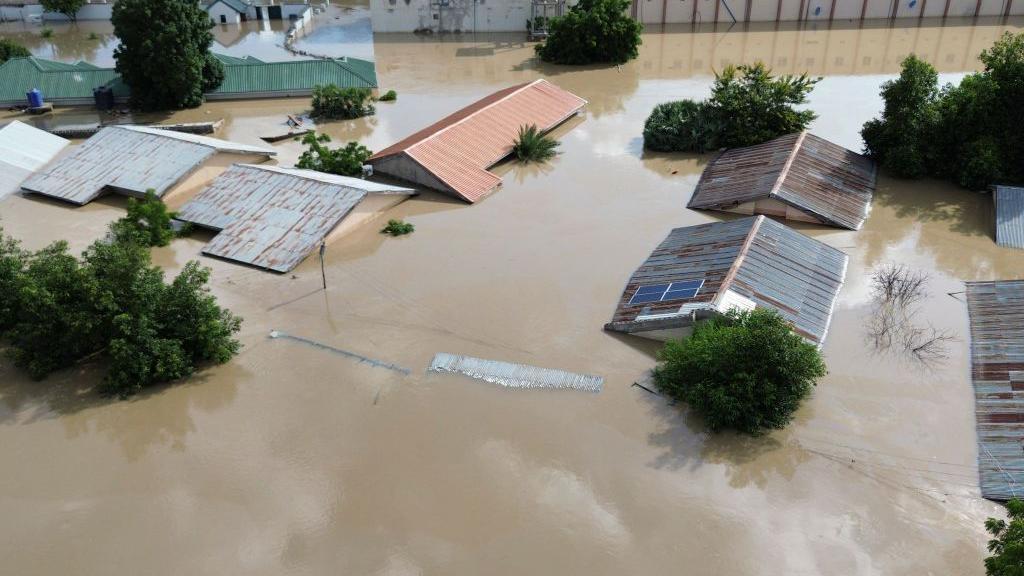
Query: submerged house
x=244, y=78
x=453, y=155
x=23, y=150
x=237, y=11
x=1009, y=204
x=133, y=159
x=996, y=311
x=700, y=271
x=797, y=177
x=273, y=217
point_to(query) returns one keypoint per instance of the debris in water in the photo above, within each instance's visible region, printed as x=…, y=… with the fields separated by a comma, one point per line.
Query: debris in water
x=514, y=375
x=346, y=353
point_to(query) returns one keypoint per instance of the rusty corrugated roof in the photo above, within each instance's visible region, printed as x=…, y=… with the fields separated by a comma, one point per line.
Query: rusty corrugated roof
x=131, y=160
x=996, y=312
x=273, y=217
x=754, y=259
x=827, y=181
x=460, y=148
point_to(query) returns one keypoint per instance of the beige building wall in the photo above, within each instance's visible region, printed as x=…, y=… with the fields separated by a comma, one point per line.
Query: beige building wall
x=183, y=191
x=372, y=207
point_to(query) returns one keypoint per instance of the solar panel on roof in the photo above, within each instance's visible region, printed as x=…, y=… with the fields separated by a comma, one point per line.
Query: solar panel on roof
x=666, y=292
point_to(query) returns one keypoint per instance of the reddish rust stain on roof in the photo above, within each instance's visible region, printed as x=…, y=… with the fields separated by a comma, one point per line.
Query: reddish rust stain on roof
x=460, y=148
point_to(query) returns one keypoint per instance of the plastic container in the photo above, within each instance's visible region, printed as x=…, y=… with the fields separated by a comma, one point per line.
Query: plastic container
x=35, y=98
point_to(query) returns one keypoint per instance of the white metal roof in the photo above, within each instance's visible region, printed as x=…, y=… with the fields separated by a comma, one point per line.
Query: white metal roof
x=23, y=150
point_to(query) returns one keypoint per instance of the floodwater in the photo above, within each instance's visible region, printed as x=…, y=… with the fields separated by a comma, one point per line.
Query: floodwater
x=292, y=460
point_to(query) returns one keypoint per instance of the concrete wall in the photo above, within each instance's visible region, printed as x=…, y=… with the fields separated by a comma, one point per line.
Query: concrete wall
x=369, y=209
x=177, y=195
x=511, y=15
x=34, y=12
x=221, y=11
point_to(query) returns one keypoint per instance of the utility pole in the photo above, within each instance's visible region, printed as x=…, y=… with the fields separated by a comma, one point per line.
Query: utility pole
x=323, y=275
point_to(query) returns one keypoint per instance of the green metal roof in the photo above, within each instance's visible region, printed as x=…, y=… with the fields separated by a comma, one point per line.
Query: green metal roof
x=296, y=75
x=56, y=80
x=73, y=83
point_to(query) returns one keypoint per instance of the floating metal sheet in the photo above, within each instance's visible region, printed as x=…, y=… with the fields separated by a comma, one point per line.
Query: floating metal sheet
x=514, y=375
x=460, y=148
x=1009, y=201
x=23, y=150
x=996, y=311
x=274, y=217
x=757, y=258
x=130, y=160
x=815, y=176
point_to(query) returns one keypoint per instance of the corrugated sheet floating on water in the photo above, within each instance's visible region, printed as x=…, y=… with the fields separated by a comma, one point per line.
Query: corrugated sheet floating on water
x=514, y=375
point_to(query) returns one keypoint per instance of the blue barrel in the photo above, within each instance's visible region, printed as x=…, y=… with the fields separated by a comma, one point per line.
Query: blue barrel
x=35, y=98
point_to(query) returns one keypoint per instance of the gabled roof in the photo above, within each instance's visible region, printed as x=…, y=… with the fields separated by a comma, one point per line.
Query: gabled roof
x=459, y=149
x=996, y=311
x=58, y=81
x=129, y=159
x=23, y=150
x=236, y=5
x=747, y=262
x=822, y=179
x=1009, y=201
x=274, y=217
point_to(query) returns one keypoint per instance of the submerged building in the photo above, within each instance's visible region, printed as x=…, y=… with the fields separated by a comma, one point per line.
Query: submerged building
x=23, y=150
x=797, y=177
x=453, y=155
x=1009, y=205
x=273, y=217
x=701, y=271
x=133, y=159
x=996, y=311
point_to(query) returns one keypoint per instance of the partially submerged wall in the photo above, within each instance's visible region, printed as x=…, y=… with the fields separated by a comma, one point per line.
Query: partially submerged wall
x=184, y=190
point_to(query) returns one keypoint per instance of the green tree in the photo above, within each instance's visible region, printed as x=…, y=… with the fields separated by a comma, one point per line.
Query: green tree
x=335, y=103
x=746, y=371
x=164, y=52
x=147, y=222
x=11, y=49
x=1007, y=543
x=346, y=161
x=68, y=8
x=747, y=106
x=592, y=31
x=13, y=259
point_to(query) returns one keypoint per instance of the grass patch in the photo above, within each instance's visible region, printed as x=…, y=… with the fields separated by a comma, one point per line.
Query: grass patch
x=46, y=32
x=532, y=146
x=398, y=228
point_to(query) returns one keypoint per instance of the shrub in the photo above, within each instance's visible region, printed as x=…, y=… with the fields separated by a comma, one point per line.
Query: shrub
x=747, y=106
x=167, y=66
x=389, y=96
x=335, y=103
x=745, y=371
x=1007, y=543
x=347, y=161
x=147, y=222
x=94, y=36
x=11, y=49
x=532, y=146
x=398, y=228
x=68, y=8
x=592, y=31
x=46, y=32
x=968, y=133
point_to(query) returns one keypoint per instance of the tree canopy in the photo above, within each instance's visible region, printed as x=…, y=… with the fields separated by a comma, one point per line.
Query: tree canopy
x=334, y=103
x=345, y=161
x=747, y=106
x=1007, y=543
x=11, y=49
x=746, y=371
x=968, y=133
x=68, y=8
x=592, y=31
x=164, y=53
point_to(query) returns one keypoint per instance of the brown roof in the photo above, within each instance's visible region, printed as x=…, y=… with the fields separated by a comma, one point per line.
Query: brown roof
x=460, y=148
x=827, y=181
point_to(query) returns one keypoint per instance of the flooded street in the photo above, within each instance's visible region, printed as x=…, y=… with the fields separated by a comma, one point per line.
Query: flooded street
x=292, y=460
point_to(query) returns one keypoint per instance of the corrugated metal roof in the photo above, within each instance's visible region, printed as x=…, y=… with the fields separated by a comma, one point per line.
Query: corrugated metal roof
x=274, y=217
x=59, y=82
x=23, y=150
x=236, y=5
x=514, y=375
x=827, y=181
x=757, y=258
x=996, y=312
x=1009, y=202
x=129, y=159
x=294, y=76
x=459, y=148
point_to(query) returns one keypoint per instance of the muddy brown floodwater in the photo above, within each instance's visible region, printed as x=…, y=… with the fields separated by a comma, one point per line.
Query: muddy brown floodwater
x=293, y=460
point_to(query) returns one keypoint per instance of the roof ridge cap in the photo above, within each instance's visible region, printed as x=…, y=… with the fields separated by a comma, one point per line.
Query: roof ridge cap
x=454, y=124
x=735, y=268
x=773, y=193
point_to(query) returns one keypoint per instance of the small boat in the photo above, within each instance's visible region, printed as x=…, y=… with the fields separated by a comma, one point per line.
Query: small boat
x=280, y=137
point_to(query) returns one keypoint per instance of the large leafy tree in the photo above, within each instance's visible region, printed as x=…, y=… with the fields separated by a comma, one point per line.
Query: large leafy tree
x=1007, y=543
x=746, y=371
x=592, y=31
x=748, y=105
x=68, y=8
x=345, y=161
x=11, y=49
x=164, y=52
